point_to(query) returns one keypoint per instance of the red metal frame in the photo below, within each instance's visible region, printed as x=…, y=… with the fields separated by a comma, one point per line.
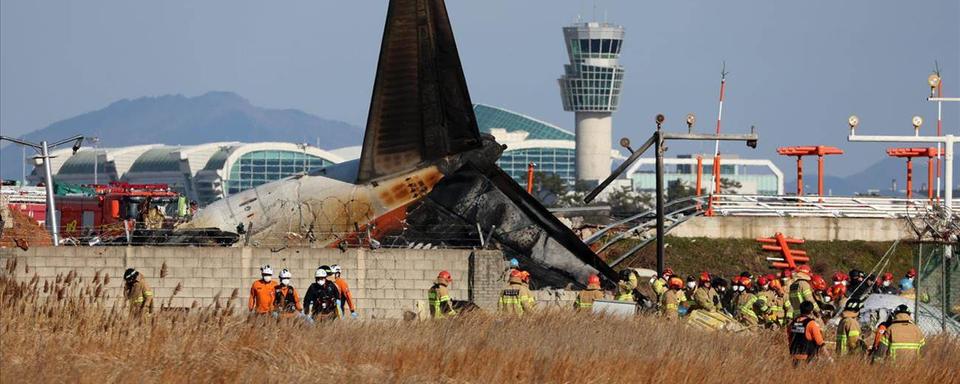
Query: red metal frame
x=530, y=168
x=790, y=257
x=909, y=153
x=800, y=151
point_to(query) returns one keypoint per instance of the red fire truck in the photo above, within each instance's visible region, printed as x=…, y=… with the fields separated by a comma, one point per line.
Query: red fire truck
x=111, y=207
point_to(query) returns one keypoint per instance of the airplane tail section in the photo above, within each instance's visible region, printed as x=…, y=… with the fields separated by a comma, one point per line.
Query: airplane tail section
x=420, y=109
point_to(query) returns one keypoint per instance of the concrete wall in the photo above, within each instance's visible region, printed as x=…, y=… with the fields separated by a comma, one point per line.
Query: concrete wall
x=808, y=228
x=384, y=282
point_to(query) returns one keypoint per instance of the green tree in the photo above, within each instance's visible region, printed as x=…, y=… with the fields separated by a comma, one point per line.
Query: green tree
x=624, y=201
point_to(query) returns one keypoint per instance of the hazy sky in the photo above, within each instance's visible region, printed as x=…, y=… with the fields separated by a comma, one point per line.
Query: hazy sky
x=797, y=69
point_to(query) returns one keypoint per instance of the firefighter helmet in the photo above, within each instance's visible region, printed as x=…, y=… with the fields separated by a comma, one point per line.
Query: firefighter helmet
x=593, y=280
x=444, y=275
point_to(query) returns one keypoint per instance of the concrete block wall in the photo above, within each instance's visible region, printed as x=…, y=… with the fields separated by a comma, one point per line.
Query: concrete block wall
x=384, y=282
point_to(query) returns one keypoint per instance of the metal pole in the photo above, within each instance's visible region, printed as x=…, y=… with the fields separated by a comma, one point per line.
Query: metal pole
x=820, y=177
x=939, y=131
x=799, y=175
x=23, y=163
x=909, y=178
x=52, y=221
x=916, y=284
x=658, y=141
x=947, y=248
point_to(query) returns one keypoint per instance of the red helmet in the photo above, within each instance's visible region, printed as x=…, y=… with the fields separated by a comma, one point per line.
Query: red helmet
x=762, y=281
x=593, y=280
x=516, y=273
x=888, y=276
x=786, y=273
x=912, y=273
x=770, y=277
x=444, y=275
x=525, y=276
x=838, y=277
x=804, y=268
x=818, y=283
x=668, y=271
x=705, y=277
x=675, y=282
x=745, y=281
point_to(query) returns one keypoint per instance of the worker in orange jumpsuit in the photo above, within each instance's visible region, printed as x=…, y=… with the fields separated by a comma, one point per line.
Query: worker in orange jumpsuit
x=262, y=292
x=804, y=336
x=286, y=300
x=346, y=298
x=586, y=297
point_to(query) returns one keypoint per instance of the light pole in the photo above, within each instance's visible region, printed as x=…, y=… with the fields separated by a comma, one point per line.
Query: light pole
x=658, y=139
x=44, y=150
x=948, y=141
x=96, y=157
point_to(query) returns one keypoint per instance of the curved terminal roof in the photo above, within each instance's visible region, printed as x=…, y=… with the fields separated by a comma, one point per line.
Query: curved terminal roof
x=490, y=117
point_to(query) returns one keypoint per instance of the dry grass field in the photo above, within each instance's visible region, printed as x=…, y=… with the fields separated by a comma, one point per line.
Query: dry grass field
x=67, y=331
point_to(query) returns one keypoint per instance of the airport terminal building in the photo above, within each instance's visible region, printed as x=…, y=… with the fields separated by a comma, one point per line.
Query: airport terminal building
x=204, y=173
x=208, y=172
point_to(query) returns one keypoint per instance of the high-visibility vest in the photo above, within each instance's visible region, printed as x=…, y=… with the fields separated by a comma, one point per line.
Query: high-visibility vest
x=435, y=301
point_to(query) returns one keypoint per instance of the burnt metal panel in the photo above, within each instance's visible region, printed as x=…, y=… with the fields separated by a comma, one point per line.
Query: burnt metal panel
x=420, y=109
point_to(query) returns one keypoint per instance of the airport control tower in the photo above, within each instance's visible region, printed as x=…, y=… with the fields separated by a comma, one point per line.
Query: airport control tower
x=590, y=88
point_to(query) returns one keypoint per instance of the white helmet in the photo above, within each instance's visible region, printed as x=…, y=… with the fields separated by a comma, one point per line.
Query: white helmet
x=321, y=273
x=336, y=268
x=285, y=274
x=266, y=270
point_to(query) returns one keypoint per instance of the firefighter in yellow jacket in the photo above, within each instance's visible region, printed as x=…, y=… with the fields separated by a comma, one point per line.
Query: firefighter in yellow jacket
x=704, y=296
x=438, y=297
x=902, y=340
x=516, y=298
x=586, y=297
x=801, y=289
x=748, y=304
x=138, y=294
x=848, y=331
x=660, y=283
x=626, y=285
x=671, y=299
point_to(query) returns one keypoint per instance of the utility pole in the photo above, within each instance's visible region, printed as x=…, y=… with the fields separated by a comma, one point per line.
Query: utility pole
x=658, y=140
x=44, y=150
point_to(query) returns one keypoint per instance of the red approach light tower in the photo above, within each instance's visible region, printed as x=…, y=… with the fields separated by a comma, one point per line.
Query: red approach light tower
x=909, y=153
x=820, y=151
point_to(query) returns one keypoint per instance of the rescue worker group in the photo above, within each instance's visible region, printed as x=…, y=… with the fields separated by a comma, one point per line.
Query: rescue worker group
x=795, y=300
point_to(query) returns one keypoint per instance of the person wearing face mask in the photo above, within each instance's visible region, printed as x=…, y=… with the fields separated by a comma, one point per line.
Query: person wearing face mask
x=688, y=290
x=320, y=302
x=286, y=301
x=725, y=293
x=737, y=289
x=261, y=293
x=780, y=306
x=838, y=291
x=886, y=285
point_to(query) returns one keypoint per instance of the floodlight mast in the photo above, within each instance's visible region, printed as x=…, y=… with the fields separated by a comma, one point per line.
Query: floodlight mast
x=948, y=141
x=44, y=153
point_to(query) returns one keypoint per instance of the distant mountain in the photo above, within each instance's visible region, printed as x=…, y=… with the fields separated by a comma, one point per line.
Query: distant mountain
x=878, y=176
x=176, y=119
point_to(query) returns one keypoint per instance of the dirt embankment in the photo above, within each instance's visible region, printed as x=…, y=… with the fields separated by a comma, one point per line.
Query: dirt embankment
x=727, y=257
